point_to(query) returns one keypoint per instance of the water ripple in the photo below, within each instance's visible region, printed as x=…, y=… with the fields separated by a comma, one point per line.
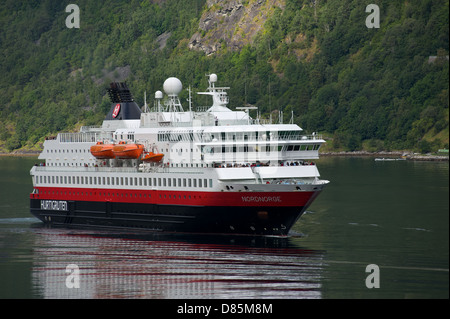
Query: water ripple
x=132, y=267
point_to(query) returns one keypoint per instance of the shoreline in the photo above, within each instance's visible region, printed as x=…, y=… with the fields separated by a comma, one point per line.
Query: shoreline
x=17, y=154
x=393, y=154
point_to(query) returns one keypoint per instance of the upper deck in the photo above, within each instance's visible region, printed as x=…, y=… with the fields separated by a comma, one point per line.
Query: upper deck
x=204, y=137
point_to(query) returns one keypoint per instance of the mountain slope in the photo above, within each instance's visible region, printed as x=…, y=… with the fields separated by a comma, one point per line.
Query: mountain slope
x=372, y=88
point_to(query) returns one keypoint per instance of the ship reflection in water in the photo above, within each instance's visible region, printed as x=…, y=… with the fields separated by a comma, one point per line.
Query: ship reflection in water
x=119, y=265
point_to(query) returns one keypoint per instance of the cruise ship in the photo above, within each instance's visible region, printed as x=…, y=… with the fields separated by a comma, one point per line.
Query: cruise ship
x=203, y=169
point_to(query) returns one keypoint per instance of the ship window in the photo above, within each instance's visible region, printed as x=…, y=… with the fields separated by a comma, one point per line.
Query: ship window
x=131, y=181
x=210, y=183
x=145, y=182
x=290, y=147
x=303, y=147
x=200, y=183
x=169, y=181
x=184, y=182
x=149, y=181
x=195, y=182
x=189, y=182
x=164, y=182
x=136, y=181
x=126, y=182
x=204, y=183
x=296, y=147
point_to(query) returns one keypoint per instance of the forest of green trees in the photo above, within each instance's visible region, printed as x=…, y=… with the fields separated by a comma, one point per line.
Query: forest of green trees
x=373, y=89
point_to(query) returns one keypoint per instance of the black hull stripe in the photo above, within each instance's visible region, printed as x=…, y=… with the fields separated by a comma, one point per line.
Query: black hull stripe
x=266, y=220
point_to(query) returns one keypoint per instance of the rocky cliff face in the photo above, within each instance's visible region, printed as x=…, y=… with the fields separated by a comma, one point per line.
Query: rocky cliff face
x=231, y=24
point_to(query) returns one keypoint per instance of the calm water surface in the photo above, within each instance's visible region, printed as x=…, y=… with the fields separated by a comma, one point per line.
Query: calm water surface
x=392, y=214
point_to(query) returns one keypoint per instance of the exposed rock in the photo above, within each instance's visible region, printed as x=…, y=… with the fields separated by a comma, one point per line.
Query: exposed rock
x=162, y=40
x=231, y=24
x=119, y=74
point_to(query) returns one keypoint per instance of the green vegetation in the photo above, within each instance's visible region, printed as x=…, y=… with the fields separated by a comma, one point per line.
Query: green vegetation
x=372, y=89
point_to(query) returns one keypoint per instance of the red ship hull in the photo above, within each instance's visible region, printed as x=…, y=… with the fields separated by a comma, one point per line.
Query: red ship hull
x=253, y=213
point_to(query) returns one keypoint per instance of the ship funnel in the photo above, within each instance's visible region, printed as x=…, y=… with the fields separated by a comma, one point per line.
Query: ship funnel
x=123, y=106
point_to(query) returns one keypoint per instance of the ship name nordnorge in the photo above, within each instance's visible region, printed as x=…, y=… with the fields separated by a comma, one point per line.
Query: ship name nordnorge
x=261, y=199
x=54, y=205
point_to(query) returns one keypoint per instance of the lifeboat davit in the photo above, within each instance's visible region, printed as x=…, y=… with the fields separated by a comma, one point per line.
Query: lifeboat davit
x=128, y=151
x=152, y=157
x=102, y=151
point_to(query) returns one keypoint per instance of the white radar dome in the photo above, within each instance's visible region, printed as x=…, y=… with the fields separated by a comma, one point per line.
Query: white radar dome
x=172, y=86
x=158, y=95
x=213, y=78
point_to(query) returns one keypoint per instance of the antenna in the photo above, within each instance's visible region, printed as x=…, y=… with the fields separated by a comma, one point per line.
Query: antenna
x=172, y=86
x=145, y=102
x=190, y=100
x=158, y=98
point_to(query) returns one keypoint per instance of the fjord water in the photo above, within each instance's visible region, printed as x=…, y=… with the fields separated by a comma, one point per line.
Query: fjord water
x=393, y=214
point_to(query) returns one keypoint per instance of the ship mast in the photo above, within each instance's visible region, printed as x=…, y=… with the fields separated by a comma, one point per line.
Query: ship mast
x=220, y=98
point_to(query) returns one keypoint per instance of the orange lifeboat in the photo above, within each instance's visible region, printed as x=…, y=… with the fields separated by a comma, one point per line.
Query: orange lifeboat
x=128, y=151
x=152, y=157
x=102, y=151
